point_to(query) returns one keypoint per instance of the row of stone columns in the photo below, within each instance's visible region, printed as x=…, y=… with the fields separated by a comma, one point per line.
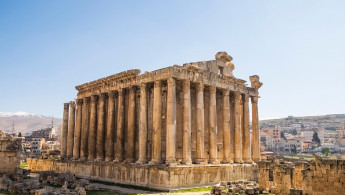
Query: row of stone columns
x=90, y=136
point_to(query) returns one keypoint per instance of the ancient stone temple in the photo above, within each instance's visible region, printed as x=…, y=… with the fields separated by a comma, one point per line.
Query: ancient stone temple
x=165, y=126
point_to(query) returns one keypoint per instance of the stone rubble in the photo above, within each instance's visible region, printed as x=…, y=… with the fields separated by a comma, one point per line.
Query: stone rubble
x=18, y=183
x=236, y=187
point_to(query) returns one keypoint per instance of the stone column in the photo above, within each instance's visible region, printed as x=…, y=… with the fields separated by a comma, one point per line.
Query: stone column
x=85, y=129
x=77, y=130
x=187, y=132
x=142, y=125
x=157, y=120
x=93, y=129
x=109, y=142
x=246, y=152
x=213, y=126
x=238, y=143
x=64, y=131
x=120, y=127
x=100, y=128
x=226, y=126
x=255, y=129
x=200, y=124
x=131, y=126
x=171, y=123
x=70, y=134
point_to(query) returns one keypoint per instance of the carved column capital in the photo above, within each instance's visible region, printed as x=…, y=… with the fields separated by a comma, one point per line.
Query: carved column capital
x=237, y=95
x=120, y=92
x=200, y=87
x=142, y=87
x=72, y=103
x=94, y=98
x=213, y=89
x=102, y=96
x=87, y=100
x=254, y=99
x=158, y=83
x=226, y=92
x=112, y=94
x=245, y=97
x=132, y=89
x=66, y=105
x=79, y=102
x=186, y=85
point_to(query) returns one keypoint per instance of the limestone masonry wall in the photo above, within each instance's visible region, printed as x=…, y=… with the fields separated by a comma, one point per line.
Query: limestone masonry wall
x=151, y=176
x=315, y=177
x=10, y=149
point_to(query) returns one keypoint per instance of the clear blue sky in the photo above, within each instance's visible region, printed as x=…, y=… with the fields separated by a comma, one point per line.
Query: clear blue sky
x=296, y=47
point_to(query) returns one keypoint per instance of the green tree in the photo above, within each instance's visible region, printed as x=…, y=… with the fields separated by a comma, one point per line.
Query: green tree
x=19, y=134
x=316, y=138
x=325, y=150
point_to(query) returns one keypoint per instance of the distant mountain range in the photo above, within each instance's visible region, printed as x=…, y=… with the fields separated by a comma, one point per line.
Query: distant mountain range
x=330, y=122
x=25, y=122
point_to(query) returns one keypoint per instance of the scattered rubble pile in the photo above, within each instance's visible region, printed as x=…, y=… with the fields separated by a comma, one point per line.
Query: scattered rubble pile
x=19, y=183
x=60, y=179
x=16, y=183
x=237, y=187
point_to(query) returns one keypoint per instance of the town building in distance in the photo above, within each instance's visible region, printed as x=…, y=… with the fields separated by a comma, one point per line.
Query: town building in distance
x=179, y=126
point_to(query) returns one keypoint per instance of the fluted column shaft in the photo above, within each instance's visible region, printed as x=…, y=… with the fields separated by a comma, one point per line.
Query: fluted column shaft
x=131, y=125
x=85, y=129
x=246, y=131
x=157, y=120
x=77, y=130
x=200, y=124
x=109, y=143
x=213, y=126
x=187, y=129
x=64, y=131
x=238, y=143
x=226, y=126
x=143, y=125
x=120, y=127
x=100, y=128
x=171, y=123
x=70, y=134
x=93, y=129
x=255, y=128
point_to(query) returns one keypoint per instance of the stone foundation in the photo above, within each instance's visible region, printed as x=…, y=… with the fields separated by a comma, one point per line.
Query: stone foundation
x=151, y=176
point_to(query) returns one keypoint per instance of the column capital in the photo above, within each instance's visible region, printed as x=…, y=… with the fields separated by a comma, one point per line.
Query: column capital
x=112, y=94
x=102, y=96
x=200, y=87
x=237, y=95
x=94, y=98
x=213, y=89
x=132, y=89
x=245, y=97
x=87, y=100
x=142, y=87
x=79, y=102
x=72, y=103
x=120, y=92
x=158, y=83
x=186, y=85
x=254, y=99
x=170, y=80
x=66, y=105
x=226, y=92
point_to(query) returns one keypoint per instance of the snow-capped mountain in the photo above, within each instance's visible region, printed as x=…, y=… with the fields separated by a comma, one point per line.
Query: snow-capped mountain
x=25, y=122
x=20, y=114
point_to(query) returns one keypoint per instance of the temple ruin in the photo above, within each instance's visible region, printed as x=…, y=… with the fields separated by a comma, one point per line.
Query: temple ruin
x=179, y=126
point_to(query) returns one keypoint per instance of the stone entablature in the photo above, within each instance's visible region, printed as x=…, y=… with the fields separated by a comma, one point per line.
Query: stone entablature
x=196, y=113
